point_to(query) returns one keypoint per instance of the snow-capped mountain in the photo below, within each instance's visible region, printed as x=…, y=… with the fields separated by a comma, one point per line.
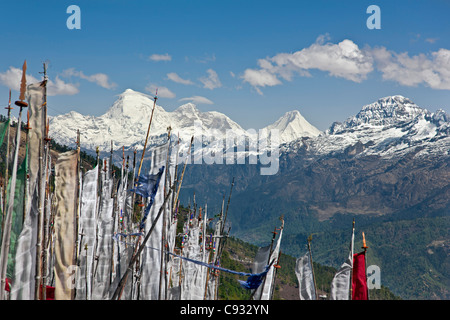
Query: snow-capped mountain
x=389, y=127
x=292, y=125
x=126, y=124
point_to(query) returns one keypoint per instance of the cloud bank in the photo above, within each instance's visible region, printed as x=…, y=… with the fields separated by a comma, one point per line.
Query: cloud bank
x=11, y=78
x=100, y=79
x=348, y=61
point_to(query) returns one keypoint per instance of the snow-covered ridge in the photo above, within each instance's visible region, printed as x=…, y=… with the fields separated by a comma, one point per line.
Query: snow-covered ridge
x=388, y=127
x=126, y=124
x=384, y=112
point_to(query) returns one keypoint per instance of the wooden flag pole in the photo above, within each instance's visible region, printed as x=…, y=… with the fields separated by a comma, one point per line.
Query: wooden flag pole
x=146, y=138
x=228, y=204
x=7, y=154
x=43, y=150
x=163, y=266
x=6, y=236
x=312, y=266
x=184, y=168
x=351, y=270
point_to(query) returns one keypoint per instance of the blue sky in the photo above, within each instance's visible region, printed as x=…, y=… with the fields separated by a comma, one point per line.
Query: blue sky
x=252, y=60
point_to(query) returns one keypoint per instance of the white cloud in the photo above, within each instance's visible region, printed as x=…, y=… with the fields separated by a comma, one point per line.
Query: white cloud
x=100, y=79
x=59, y=87
x=198, y=100
x=160, y=57
x=433, y=70
x=163, y=92
x=212, y=81
x=176, y=78
x=344, y=60
x=260, y=78
x=12, y=78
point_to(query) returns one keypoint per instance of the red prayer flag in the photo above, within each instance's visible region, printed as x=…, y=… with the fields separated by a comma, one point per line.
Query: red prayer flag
x=49, y=292
x=359, y=278
x=8, y=285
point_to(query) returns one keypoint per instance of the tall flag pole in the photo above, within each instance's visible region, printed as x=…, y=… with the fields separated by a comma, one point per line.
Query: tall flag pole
x=6, y=235
x=43, y=152
x=8, y=130
x=146, y=138
x=184, y=168
x=312, y=267
x=165, y=232
x=27, y=140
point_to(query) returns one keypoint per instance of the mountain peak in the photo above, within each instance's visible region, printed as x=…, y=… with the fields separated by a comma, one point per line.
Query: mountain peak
x=130, y=91
x=131, y=104
x=391, y=105
x=292, y=125
x=390, y=110
x=395, y=99
x=187, y=108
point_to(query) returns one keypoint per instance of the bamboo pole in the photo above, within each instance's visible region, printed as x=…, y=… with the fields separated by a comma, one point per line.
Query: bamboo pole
x=7, y=155
x=184, y=168
x=146, y=138
x=76, y=216
x=228, y=204
x=6, y=235
x=164, y=231
x=40, y=288
x=46, y=230
x=46, y=200
x=312, y=266
x=176, y=171
x=25, y=193
x=38, y=281
x=351, y=270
